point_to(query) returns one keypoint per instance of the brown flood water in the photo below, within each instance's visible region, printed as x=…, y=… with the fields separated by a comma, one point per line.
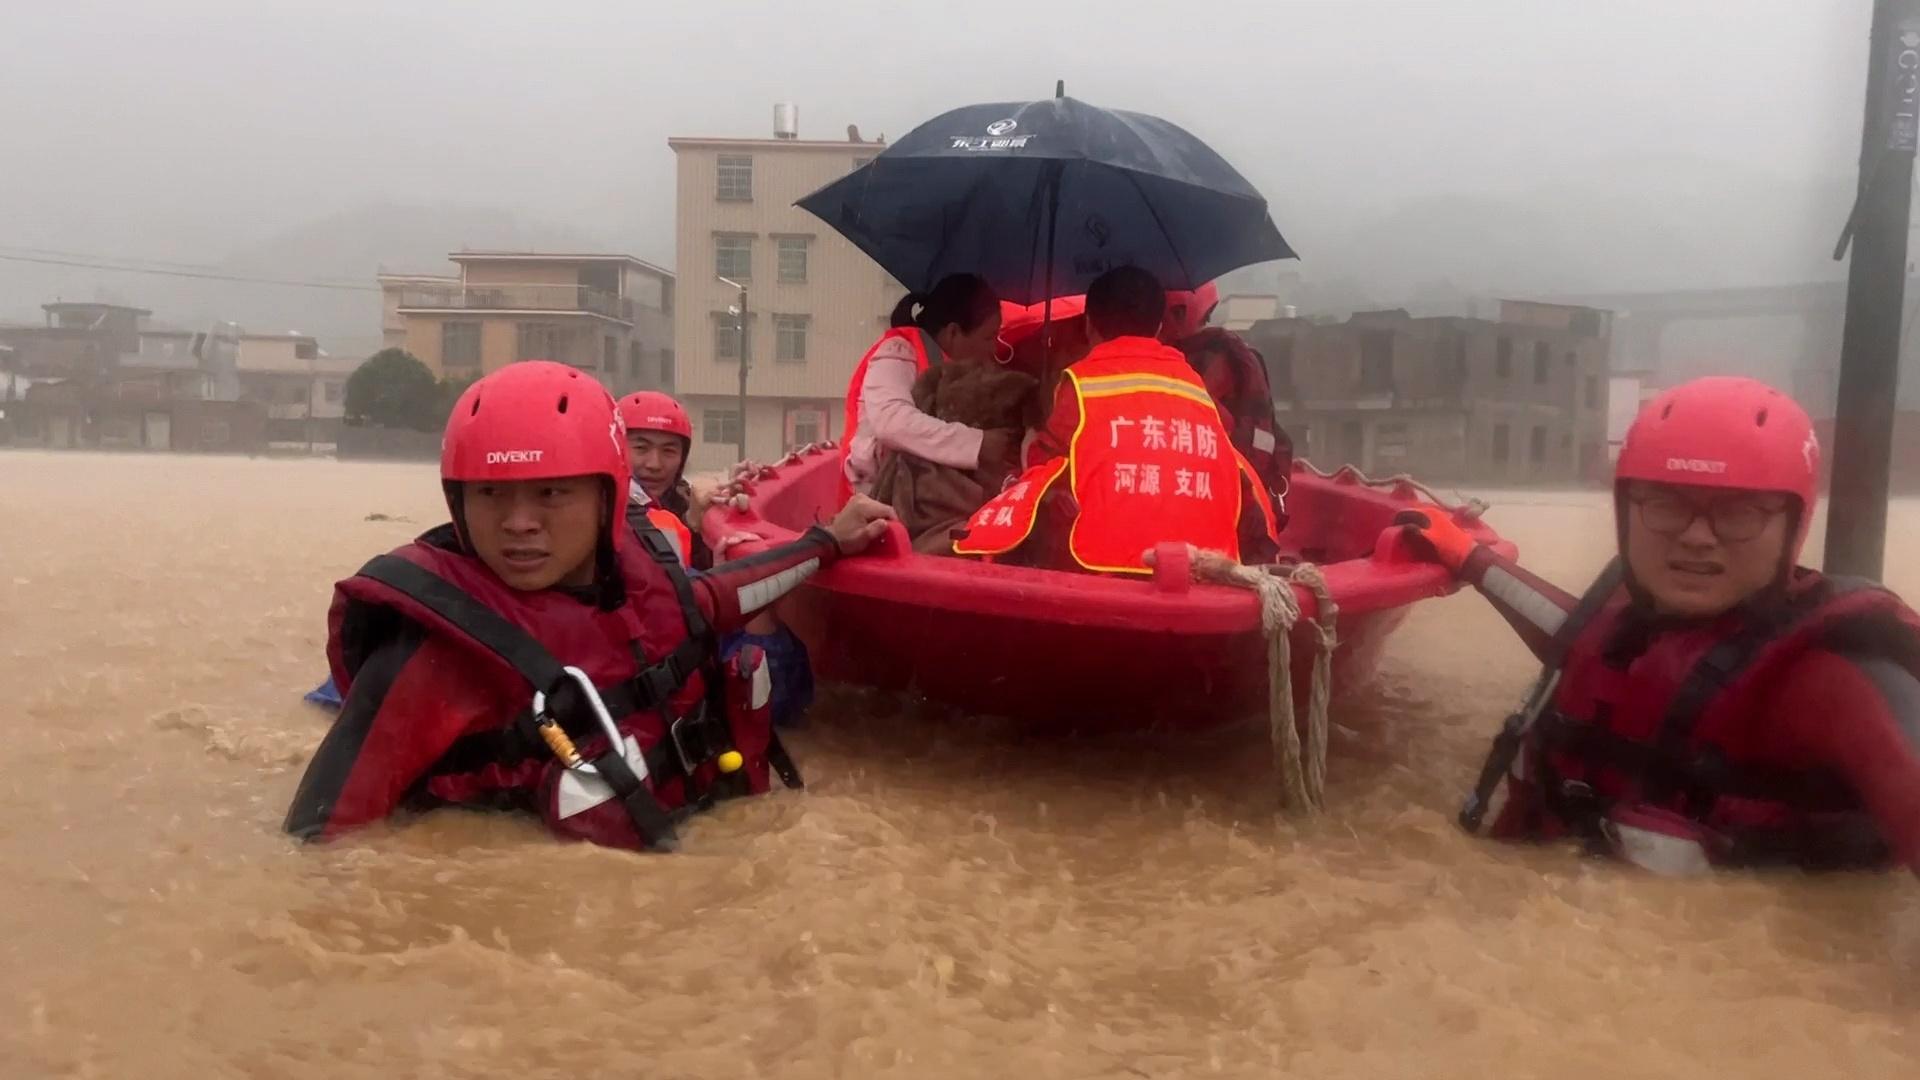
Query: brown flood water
x=945, y=900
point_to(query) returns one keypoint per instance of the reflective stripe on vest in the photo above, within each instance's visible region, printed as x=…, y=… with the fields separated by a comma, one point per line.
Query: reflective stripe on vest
x=1005, y=521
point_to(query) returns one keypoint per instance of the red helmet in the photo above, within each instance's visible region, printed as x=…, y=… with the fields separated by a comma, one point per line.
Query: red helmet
x=1726, y=432
x=1187, y=311
x=535, y=420
x=651, y=410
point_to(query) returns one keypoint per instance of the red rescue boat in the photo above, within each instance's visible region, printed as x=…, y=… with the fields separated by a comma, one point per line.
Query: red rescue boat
x=1082, y=651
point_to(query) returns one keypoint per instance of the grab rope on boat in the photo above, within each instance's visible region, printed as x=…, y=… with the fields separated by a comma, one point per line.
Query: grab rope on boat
x=1303, y=771
x=1468, y=510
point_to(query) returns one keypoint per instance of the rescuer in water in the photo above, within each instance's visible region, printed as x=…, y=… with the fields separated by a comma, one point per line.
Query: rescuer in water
x=538, y=654
x=1708, y=702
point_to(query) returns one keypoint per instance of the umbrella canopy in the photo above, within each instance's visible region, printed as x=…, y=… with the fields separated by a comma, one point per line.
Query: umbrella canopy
x=1042, y=197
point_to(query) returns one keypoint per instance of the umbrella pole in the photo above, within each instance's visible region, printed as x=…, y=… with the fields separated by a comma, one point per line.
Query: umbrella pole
x=1053, y=223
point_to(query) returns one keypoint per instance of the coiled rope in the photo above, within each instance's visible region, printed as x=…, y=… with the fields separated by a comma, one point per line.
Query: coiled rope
x=1302, y=770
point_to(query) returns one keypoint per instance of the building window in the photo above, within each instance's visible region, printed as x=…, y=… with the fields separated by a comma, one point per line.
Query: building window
x=720, y=425
x=1593, y=391
x=793, y=260
x=1540, y=361
x=1459, y=356
x=733, y=257
x=305, y=350
x=666, y=369
x=1376, y=362
x=1500, y=444
x=734, y=179
x=1280, y=367
x=633, y=359
x=1390, y=443
x=1537, y=445
x=541, y=341
x=610, y=355
x=726, y=339
x=335, y=390
x=1503, y=358
x=805, y=424
x=790, y=337
x=460, y=348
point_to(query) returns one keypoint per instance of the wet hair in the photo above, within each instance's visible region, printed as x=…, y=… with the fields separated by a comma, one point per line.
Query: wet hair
x=963, y=300
x=1126, y=302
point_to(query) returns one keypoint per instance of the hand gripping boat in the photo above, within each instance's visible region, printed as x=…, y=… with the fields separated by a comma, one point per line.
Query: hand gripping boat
x=1082, y=651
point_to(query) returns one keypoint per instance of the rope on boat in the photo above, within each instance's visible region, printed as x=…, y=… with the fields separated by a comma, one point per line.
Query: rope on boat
x=1303, y=771
x=1469, y=510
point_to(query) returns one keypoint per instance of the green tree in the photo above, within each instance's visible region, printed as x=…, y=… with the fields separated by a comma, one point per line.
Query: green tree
x=394, y=389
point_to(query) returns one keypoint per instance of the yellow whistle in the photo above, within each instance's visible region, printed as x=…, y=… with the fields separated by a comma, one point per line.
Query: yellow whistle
x=730, y=761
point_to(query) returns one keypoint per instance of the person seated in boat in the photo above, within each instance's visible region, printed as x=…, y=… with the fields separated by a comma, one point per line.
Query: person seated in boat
x=932, y=499
x=1145, y=456
x=1236, y=376
x=659, y=438
x=535, y=654
x=1708, y=702
x=958, y=321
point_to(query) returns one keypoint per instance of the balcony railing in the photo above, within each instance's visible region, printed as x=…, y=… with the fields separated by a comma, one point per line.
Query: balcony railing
x=521, y=298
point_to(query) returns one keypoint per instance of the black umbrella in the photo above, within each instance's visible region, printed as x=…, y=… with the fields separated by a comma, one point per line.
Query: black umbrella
x=1042, y=197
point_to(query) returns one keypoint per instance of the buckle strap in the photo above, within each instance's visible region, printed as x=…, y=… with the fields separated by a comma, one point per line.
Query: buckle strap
x=782, y=763
x=1704, y=776
x=650, y=819
x=471, y=617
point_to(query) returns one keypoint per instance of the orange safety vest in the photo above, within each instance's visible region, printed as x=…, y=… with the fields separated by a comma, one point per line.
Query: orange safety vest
x=924, y=354
x=1150, y=462
x=675, y=531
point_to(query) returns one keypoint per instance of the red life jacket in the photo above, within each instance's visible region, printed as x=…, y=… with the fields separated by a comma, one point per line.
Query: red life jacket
x=678, y=713
x=1671, y=735
x=923, y=358
x=1236, y=375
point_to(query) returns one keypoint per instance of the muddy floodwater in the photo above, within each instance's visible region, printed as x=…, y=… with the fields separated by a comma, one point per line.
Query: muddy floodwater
x=946, y=898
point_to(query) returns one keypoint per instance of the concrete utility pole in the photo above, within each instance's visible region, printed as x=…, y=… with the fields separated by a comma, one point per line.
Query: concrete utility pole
x=1876, y=290
x=740, y=329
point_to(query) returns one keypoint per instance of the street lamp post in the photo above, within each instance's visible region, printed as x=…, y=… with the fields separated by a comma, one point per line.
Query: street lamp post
x=740, y=340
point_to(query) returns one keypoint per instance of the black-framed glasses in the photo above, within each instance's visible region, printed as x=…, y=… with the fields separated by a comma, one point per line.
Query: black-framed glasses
x=1733, y=518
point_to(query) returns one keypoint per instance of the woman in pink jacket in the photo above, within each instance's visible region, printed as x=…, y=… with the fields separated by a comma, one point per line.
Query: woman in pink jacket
x=958, y=321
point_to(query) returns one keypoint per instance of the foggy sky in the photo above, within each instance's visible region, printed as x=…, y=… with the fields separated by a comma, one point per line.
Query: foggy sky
x=190, y=129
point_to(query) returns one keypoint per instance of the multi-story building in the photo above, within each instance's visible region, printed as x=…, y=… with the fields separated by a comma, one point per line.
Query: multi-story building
x=815, y=303
x=611, y=315
x=1520, y=400
x=396, y=287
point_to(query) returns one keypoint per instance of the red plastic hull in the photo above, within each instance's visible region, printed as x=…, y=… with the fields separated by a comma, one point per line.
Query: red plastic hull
x=1082, y=651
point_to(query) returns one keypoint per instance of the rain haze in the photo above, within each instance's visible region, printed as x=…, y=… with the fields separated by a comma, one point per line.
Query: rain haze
x=284, y=286
x=1410, y=150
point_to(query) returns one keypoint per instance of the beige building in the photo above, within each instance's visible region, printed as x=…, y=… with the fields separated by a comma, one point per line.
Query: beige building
x=396, y=287
x=815, y=303
x=611, y=315
x=293, y=376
